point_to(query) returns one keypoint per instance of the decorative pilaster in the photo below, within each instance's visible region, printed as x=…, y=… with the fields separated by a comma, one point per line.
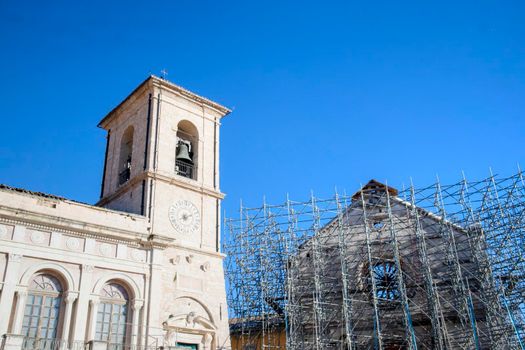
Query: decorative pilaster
x=136, y=306
x=68, y=307
x=21, y=297
x=82, y=305
x=8, y=290
x=207, y=341
x=93, y=306
x=95, y=344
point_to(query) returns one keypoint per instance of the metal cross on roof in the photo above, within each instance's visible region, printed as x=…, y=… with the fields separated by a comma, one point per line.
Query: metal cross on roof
x=164, y=73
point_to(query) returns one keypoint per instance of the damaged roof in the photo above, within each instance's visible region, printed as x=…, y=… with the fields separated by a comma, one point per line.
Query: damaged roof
x=35, y=193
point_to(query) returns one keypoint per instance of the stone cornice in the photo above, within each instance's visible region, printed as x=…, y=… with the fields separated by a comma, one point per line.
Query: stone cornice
x=54, y=199
x=171, y=102
x=198, y=251
x=165, y=84
x=172, y=180
x=189, y=95
x=136, y=179
x=187, y=184
x=157, y=241
x=69, y=226
x=133, y=95
x=75, y=257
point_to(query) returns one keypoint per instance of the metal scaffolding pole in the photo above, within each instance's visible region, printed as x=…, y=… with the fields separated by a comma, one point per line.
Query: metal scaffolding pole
x=436, y=267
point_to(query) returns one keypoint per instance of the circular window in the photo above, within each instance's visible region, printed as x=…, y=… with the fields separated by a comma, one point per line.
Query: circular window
x=385, y=279
x=378, y=225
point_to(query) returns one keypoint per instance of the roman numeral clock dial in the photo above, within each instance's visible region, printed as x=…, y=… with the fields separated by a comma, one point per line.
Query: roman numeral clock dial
x=185, y=217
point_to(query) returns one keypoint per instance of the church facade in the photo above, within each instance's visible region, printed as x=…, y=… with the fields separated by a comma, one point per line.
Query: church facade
x=142, y=267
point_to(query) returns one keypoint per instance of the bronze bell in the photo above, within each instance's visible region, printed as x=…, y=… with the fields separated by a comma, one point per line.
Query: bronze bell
x=183, y=153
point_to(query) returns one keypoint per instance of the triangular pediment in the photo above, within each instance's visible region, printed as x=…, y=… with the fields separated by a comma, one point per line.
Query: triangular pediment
x=374, y=187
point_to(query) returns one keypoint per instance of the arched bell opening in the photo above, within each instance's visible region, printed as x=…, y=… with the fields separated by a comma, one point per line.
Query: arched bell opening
x=186, y=154
x=126, y=151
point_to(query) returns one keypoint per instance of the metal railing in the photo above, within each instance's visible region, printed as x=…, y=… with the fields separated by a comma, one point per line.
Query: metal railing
x=124, y=176
x=43, y=344
x=59, y=344
x=184, y=169
x=118, y=346
x=79, y=345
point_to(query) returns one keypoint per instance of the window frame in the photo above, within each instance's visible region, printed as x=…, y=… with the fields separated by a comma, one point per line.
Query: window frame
x=386, y=293
x=55, y=298
x=117, y=322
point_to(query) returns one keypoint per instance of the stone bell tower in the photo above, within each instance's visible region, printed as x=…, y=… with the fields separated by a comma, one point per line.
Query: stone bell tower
x=162, y=162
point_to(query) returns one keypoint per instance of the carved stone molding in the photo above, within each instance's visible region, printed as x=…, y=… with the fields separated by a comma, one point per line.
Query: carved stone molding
x=137, y=305
x=37, y=237
x=94, y=302
x=189, y=258
x=3, y=231
x=207, y=339
x=15, y=257
x=70, y=298
x=73, y=243
x=189, y=317
x=206, y=266
x=88, y=268
x=175, y=260
x=137, y=255
x=105, y=249
x=21, y=293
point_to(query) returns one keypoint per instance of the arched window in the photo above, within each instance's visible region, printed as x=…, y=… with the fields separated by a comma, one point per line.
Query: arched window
x=187, y=148
x=112, y=315
x=42, y=310
x=126, y=150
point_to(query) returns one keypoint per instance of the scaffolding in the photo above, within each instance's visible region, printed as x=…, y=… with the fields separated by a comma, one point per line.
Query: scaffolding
x=439, y=267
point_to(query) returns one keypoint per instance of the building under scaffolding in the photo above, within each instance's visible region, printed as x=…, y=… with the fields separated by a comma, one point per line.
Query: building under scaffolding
x=440, y=267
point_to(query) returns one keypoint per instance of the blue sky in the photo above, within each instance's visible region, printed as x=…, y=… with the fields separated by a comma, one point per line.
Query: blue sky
x=325, y=94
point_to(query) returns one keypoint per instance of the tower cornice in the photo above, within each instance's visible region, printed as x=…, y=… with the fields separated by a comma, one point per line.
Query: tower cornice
x=172, y=180
x=153, y=80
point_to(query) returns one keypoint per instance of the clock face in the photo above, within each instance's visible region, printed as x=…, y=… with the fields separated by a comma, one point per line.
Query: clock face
x=185, y=217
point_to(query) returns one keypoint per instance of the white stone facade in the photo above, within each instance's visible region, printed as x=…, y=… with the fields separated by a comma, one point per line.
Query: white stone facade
x=166, y=261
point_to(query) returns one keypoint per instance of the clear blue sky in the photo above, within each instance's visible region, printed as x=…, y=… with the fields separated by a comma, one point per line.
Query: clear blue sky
x=325, y=93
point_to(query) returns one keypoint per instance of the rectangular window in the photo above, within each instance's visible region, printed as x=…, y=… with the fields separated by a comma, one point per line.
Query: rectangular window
x=41, y=317
x=111, y=324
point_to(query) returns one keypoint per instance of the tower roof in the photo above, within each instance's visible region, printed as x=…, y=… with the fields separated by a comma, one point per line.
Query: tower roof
x=163, y=83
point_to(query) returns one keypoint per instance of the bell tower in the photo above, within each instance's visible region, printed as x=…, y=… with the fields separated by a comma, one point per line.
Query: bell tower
x=162, y=162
